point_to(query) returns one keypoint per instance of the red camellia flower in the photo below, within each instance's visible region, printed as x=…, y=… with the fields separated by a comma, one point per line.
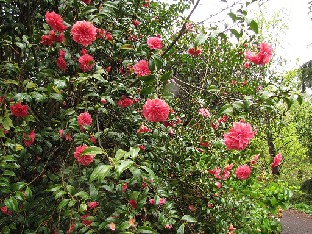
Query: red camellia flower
x=84, y=160
x=151, y=201
x=86, y=1
x=85, y=220
x=243, y=172
x=135, y=23
x=277, y=160
x=55, y=21
x=84, y=119
x=86, y=62
x=124, y=187
x=133, y=204
x=92, y=139
x=60, y=62
x=247, y=65
x=264, y=56
x=125, y=102
x=5, y=210
x=239, y=136
x=92, y=205
x=204, y=112
x=156, y=110
x=83, y=32
x=141, y=68
x=194, y=51
x=19, y=110
x=46, y=40
x=142, y=147
x=154, y=43
x=108, y=37
x=29, y=140
x=162, y=201
x=143, y=129
x=254, y=159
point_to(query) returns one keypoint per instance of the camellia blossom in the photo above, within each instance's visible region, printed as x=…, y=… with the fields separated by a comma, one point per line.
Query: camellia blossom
x=264, y=56
x=125, y=102
x=83, y=32
x=194, y=51
x=204, y=112
x=154, y=43
x=156, y=110
x=85, y=220
x=124, y=187
x=84, y=160
x=243, y=172
x=143, y=129
x=133, y=203
x=84, y=119
x=19, y=110
x=86, y=62
x=162, y=201
x=92, y=205
x=30, y=139
x=55, y=21
x=60, y=62
x=151, y=201
x=112, y=226
x=5, y=210
x=141, y=68
x=238, y=136
x=277, y=160
x=86, y=1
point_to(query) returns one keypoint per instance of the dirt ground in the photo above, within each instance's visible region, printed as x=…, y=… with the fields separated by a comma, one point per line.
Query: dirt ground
x=294, y=222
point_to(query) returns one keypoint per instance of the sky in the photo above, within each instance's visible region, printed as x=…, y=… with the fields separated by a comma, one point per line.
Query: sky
x=296, y=42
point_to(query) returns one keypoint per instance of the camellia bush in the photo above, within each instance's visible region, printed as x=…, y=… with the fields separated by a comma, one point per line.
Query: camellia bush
x=126, y=117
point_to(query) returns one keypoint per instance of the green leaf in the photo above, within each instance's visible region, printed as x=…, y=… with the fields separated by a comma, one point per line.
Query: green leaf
x=147, y=79
x=7, y=122
x=134, y=151
x=100, y=172
x=166, y=76
x=236, y=33
x=63, y=203
x=60, y=84
x=253, y=25
x=126, y=47
x=11, y=203
x=147, y=90
x=189, y=219
x=181, y=229
x=57, y=96
x=82, y=194
x=233, y=16
x=238, y=105
x=120, y=154
x=28, y=192
x=145, y=230
x=31, y=85
x=124, y=165
x=92, y=150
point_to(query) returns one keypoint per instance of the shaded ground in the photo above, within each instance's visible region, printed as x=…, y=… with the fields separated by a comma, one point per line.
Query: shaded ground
x=295, y=222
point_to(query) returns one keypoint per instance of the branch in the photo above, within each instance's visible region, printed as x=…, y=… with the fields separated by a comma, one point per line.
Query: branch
x=181, y=31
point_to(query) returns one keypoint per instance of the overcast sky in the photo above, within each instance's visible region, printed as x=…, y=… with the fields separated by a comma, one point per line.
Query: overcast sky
x=297, y=41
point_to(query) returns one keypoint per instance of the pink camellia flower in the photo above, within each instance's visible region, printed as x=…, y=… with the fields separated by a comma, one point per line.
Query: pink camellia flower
x=68, y=137
x=84, y=160
x=135, y=23
x=84, y=119
x=141, y=68
x=5, y=210
x=168, y=226
x=108, y=37
x=86, y=62
x=231, y=229
x=19, y=110
x=277, y=160
x=154, y=43
x=125, y=102
x=124, y=187
x=61, y=131
x=239, y=136
x=133, y=203
x=83, y=32
x=86, y=1
x=243, y=172
x=247, y=65
x=61, y=63
x=103, y=101
x=204, y=112
x=92, y=205
x=146, y=3
x=218, y=184
x=92, y=139
x=85, y=220
x=46, y=40
x=254, y=160
x=194, y=51
x=55, y=21
x=192, y=208
x=29, y=140
x=162, y=201
x=151, y=201
x=143, y=129
x=264, y=56
x=156, y=110
x=100, y=33
x=142, y=147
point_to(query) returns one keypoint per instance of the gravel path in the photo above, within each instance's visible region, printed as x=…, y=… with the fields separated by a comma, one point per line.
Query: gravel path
x=294, y=222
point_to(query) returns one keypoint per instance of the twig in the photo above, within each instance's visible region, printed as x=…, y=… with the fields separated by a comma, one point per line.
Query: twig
x=181, y=31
